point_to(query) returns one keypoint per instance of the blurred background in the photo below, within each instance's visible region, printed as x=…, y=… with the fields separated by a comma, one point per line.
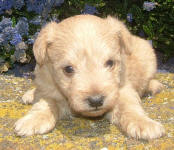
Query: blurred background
x=21, y=21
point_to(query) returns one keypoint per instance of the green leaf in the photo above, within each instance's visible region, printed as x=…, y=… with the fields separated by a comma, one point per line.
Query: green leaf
x=13, y=21
x=147, y=30
x=161, y=30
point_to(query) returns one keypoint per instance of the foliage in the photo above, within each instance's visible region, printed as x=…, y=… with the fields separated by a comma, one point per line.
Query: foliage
x=21, y=20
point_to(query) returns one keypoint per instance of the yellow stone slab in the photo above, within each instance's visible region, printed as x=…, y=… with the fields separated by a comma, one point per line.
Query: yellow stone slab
x=80, y=133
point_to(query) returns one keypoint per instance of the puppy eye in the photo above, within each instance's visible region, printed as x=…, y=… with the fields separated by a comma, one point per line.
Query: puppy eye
x=68, y=70
x=109, y=63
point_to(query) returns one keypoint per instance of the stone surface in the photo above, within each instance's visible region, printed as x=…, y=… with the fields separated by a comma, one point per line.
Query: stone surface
x=21, y=56
x=80, y=133
x=4, y=67
x=21, y=46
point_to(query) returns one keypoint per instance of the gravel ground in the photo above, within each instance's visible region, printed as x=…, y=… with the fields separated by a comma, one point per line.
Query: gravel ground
x=80, y=133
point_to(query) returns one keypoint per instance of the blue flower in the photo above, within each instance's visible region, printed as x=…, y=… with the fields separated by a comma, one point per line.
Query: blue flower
x=6, y=22
x=6, y=30
x=47, y=8
x=58, y=2
x=30, y=41
x=35, y=5
x=16, y=39
x=1, y=39
x=8, y=4
x=5, y=5
x=38, y=6
x=18, y=4
x=36, y=21
x=22, y=26
x=149, y=5
x=129, y=17
x=7, y=33
x=1, y=7
x=89, y=10
x=42, y=7
x=33, y=38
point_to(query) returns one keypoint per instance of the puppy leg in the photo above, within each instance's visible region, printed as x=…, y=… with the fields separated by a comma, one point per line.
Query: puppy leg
x=155, y=87
x=28, y=97
x=40, y=119
x=132, y=118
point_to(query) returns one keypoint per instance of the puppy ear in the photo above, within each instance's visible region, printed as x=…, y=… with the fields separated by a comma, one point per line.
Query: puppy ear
x=122, y=33
x=44, y=39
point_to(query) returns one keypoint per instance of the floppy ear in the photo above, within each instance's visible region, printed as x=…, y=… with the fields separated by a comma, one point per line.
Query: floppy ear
x=45, y=37
x=122, y=33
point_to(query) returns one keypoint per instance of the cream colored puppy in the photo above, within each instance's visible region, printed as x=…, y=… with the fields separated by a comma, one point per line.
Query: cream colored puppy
x=91, y=66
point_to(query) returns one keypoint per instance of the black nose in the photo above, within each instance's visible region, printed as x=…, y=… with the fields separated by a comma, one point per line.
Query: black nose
x=95, y=101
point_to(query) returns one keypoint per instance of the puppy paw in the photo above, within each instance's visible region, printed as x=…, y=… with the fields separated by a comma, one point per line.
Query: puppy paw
x=34, y=124
x=146, y=129
x=28, y=97
x=155, y=87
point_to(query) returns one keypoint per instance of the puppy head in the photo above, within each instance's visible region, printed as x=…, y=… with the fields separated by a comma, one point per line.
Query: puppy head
x=86, y=57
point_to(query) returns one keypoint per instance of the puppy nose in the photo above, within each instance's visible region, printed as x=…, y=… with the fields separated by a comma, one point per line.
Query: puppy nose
x=96, y=101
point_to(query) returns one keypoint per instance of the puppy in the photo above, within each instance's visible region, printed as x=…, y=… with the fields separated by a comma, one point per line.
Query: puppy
x=93, y=67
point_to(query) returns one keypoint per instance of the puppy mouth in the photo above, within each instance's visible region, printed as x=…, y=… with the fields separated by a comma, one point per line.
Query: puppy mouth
x=93, y=113
x=96, y=109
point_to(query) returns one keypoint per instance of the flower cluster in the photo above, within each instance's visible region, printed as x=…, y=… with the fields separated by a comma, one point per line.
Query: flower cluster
x=149, y=5
x=42, y=7
x=8, y=4
x=89, y=10
x=9, y=34
x=129, y=17
x=22, y=26
x=38, y=6
x=16, y=32
x=21, y=21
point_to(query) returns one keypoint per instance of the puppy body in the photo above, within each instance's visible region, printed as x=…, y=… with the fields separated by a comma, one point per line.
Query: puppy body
x=111, y=71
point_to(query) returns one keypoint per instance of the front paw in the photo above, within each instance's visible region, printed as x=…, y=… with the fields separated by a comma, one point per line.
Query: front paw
x=146, y=129
x=34, y=124
x=28, y=97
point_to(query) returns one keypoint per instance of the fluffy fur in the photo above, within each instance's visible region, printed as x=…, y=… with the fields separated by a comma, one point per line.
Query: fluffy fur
x=86, y=43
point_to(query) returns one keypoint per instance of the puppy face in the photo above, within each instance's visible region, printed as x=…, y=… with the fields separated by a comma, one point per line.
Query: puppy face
x=86, y=61
x=88, y=76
